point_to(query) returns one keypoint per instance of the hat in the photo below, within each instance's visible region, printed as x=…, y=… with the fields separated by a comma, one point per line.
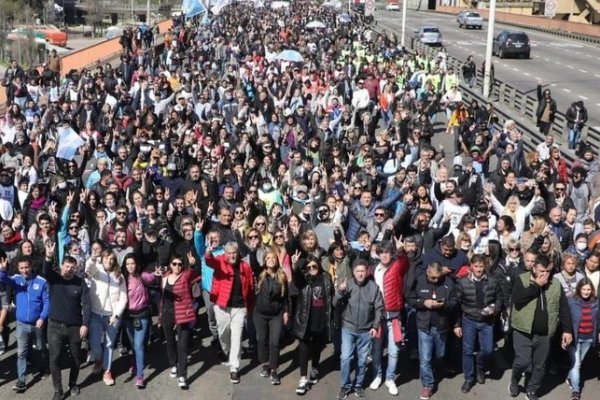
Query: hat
x=302, y=188
x=458, y=160
x=151, y=232
x=459, y=192
x=475, y=149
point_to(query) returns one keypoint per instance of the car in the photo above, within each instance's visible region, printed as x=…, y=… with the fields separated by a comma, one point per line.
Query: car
x=392, y=7
x=430, y=35
x=509, y=43
x=469, y=19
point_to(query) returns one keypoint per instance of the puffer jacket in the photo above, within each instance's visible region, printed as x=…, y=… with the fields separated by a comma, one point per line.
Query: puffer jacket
x=182, y=290
x=301, y=291
x=108, y=293
x=467, y=297
x=363, y=308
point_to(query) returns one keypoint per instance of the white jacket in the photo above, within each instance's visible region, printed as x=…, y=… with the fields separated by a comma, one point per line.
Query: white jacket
x=108, y=294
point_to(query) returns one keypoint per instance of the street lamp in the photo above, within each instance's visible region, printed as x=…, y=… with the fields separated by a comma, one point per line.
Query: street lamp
x=488, y=49
x=404, y=6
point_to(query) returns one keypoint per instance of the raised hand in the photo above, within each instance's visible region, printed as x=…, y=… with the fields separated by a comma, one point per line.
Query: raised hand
x=3, y=264
x=49, y=246
x=191, y=258
x=296, y=257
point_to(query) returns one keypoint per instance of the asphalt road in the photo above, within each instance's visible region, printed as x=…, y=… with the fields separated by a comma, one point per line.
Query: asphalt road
x=569, y=67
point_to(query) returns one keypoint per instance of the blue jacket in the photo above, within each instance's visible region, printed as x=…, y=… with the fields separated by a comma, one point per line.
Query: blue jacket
x=435, y=255
x=575, y=305
x=205, y=271
x=32, y=298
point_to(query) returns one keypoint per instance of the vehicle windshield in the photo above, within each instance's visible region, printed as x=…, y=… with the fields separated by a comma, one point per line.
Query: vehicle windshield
x=430, y=30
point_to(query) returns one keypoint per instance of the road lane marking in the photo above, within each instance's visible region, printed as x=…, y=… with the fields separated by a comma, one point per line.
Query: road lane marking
x=598, y=104
x=566, y=90
x=583, y=70
x=516, y=69
x=526, y=74
x=583, y=97
x=570, y=66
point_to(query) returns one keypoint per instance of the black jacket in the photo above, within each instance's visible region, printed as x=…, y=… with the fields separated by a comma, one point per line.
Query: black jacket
x=423, y=290
x=467, y=297
x=301, y=292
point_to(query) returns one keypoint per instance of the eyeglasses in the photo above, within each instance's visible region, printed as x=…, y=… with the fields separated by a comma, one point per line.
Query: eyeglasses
x=357, y=187
x=252, y=191
x=312, y=266
x=176, y=264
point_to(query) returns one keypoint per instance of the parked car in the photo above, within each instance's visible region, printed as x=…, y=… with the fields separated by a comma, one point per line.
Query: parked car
x=430, y=35
x=392, y=7
x=469, y=19
x=509, y=43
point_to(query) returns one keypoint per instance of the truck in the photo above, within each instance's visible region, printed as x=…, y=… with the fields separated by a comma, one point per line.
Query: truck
x=469, y=19
x=393, y=5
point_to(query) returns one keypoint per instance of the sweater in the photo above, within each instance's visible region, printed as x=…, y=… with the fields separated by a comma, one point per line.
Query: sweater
x=69, y=298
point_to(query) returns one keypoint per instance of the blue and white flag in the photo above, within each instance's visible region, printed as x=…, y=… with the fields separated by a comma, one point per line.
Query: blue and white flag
x=68, y=143
x=191, y=8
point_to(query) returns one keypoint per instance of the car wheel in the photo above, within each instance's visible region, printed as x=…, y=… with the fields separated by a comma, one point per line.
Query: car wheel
x=501, y=53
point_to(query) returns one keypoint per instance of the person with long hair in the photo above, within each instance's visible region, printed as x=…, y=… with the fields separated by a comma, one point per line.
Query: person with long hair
x=313, y=294
x=271, y=313
x=108, y=295
x=137, y=318
x=177, y=314
x=584, y=314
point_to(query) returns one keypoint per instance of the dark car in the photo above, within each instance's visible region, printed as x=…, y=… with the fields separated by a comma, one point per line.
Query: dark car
x=512, y=44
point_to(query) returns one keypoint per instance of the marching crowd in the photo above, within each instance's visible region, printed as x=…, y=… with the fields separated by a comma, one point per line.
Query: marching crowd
x=282, y=180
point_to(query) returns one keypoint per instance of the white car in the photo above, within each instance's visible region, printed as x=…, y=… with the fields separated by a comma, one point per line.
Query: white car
x=429, y=35
x=469, y=19
x=392, y=7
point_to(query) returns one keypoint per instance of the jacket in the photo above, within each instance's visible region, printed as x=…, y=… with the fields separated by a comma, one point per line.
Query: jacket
x=575, y=305
x=301, y=291
x=363, y=308
x=31, y=297
x=182, y=291
x=571, y=115
x=269, y=300
x=458, y=260
x=423, y=290
x=393, y=284
x=108, y=294
x=223, y=281
x=467, y=297
x=542, y=105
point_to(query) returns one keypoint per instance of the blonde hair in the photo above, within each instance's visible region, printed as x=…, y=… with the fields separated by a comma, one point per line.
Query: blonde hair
x=538, y=223
x=280, y=275
x=114, y=264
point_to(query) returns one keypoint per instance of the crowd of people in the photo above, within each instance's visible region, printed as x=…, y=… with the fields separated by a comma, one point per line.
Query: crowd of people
x=289, y=197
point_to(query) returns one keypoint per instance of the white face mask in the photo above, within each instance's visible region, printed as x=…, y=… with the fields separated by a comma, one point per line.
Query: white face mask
x=581, y=246
x=62, y=185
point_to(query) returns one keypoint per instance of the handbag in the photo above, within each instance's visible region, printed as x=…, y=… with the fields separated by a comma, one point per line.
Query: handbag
x=196, y=290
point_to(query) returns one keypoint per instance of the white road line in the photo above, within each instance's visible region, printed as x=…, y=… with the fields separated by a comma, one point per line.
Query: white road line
x=516, y=69
x=545, y=59
x=588, y=55
x=566, y=90
x=570, y=66
x=583, y=70
x=557, y=62
x=597, y=75
x=596, y=127
x=583, y=97
x=526, y=74
x=553, y=84
x=598, y=104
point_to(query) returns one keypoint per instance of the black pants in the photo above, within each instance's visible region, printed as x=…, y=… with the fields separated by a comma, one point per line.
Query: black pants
x=531, y=352
x=268, y=337
x=176, y=348
x=59, y=335
x=311, y=346
x=544, y=127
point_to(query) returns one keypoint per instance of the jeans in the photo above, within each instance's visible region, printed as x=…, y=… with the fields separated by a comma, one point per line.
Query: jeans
x=359, y=343
x=387, y=334
x=574, y=137
x=60, y=334
x=230, y=323
x=428, y=343
x=102, y=339
x=531, y=352
x=137, y=338
x=577, y=352
x=210, y=314
x=177, y=349
x=26, y=334
x=268, y=334
x=472, y=332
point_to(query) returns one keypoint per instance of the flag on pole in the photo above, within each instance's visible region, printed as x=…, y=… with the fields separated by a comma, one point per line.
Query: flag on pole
x=68, y=143
x=191, y=8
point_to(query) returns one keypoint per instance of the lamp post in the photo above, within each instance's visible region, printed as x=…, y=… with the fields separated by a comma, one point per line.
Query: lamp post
x=488, y=49
x=403, y=36
x=148, y=13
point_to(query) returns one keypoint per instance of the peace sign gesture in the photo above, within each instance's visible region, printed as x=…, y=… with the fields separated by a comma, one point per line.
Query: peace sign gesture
x=4, y=264
x=296, y=257
x=399, y=242
x=191, y=258
x=50, y=246
x=70, y=197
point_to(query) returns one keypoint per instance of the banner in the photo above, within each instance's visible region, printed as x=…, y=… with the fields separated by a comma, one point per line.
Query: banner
x=191, y=8
x=68, y=143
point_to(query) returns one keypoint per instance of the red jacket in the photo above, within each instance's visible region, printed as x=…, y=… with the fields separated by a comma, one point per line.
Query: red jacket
x=393, y=284
x=223, y=281
x=182, y=289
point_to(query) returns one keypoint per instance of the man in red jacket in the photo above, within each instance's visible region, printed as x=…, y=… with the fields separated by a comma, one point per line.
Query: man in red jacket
x=233, y=296
x=389, y=276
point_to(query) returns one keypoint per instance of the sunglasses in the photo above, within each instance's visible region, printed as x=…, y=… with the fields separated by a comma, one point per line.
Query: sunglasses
x=72, y=227
x=279, y=236
x=239, y=212
x=253, y=237
x=312, y=266
x=379, y=214
x=121, y=212
x=177, y=264
x=259, y=223
x=514, y=249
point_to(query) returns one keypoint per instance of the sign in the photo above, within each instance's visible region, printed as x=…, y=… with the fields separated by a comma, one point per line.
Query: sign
x=550, y=8
x=369, y=8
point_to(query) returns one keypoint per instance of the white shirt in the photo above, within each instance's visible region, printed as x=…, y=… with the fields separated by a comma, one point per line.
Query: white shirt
x=378, y=275
x=543, y=150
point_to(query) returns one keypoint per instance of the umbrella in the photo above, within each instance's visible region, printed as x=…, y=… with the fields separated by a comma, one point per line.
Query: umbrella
x=344, y=18
x=290, y=55
x=316, y=25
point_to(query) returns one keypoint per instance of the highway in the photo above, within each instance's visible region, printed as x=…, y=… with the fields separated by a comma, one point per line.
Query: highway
x=569, y=67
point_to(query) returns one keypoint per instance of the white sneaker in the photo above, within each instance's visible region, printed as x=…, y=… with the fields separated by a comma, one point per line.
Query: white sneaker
x=376, y=383
x=173, y=372
x=392, y=388
x=181, y=382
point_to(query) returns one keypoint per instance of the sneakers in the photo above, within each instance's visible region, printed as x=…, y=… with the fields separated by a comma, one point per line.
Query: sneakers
x=139, y=382
x=467, y=386
x=531, y=396
x=568, y=382
x=19, y=387
x=108, y=379
x=234, y=377
x=575, y=396
x=359, y=392
x=426, y=393
x=275, y=378
x=181, y=382
x=173, y=372
x=343, y=394
x=513, y=389
x=314, y=376
x=74, y=390
x=264, y=371
x=302, y=386
x=97, y=368
x=392, y=388
x=376, y=383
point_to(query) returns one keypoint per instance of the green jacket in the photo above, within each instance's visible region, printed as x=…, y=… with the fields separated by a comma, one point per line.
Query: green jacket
x=522, y=317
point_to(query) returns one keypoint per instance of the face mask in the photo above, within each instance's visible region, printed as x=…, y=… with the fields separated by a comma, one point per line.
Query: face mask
x=581, y=246
x=266, y=187
x=62, y=185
